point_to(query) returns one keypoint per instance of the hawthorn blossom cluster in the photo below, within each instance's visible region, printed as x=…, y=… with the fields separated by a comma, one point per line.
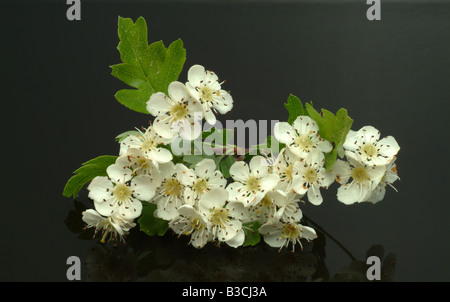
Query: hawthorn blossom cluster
x=199, y=202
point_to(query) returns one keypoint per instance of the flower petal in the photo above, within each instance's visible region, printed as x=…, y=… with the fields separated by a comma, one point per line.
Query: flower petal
x=205, y=168
x=284, y=133
x=268, y=182
x=224, y=103
x=239, y=171
x=159, y=104
x=216, y=198
x=143, y=187
x=210, y=117
x=131, y=141
x=196, y=74
x=236, y=191
x=100, y=189
x=118, y=173
x=304, y=125
x=314, y=195
x=178, y=92
x=258, y=166
x=160, y=155
x=130, y=210
x=92, y=217
x=308, y=233
x=163, y=127
x=369, y=134
x=237, y=240
x=388, y=148
x=351, y=193
x=106, y=207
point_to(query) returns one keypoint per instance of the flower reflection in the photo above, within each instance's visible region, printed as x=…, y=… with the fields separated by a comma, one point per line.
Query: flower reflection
x=167, y=258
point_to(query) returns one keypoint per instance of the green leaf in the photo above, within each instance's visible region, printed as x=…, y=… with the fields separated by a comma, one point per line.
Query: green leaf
x=150, y=224
x=148, y=68
x=218, y=137
x=225, y=166
x=333, y=128
x=192, y=160
x=252, y=236
x=88, y=171
x=294, y=107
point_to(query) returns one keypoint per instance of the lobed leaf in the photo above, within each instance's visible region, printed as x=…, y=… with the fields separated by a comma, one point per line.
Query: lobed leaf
x=252, y=236
x=148, y=68
x=87, y=172
x=150, y=224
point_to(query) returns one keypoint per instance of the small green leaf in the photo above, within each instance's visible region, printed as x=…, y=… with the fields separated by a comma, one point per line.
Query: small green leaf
x=88, y=171
x=252, y=236
x=150, y=224
x=192, y=160
x=294, y=107
x=317, y=117
x=148, y=68
x=218, y=137
x=333, y=128
x=225, y=166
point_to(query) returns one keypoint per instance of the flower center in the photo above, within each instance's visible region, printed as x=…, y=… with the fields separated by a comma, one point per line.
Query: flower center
x=173, y=187
x=197, y=224
x=207, y=94
x=122, y=192
x=311, y=175
x=266, y=202
x=253, y=184
x=288, y=172
x=359, y=174
x=304, y=142
x=200, y=186
x=148, y=145
x=291, y=231
x=219, y=216
x=178, y=112
x=369, y=150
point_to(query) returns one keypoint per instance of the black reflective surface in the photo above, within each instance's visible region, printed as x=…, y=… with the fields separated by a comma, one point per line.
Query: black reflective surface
x=59, y=111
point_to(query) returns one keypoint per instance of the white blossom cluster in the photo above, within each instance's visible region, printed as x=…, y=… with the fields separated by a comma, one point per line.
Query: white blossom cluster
x=201, y=203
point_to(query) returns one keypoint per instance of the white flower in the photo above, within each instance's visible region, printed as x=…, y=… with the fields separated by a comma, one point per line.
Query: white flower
x=170, y=193
x=389, y=177
x=283, y=167
x=277, y=205
x=201, y=179
x=288, y=209
x=302, y=137
x=364, y=146
x=280, y=234
x=251, y=185
x=364, y=180
x=149, y=144
x=113, y=225
x=177, y=114
x=191, y=222
x=265, y=210
x=120, y=193
x=310, y=175
x=136, y=160
x=222, y=217
x=205, y=87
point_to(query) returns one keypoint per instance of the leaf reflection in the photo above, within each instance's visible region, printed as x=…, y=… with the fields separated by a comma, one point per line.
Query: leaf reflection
x=169, y=258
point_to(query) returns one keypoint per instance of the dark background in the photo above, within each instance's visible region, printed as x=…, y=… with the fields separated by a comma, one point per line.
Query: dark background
x=59, y=110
